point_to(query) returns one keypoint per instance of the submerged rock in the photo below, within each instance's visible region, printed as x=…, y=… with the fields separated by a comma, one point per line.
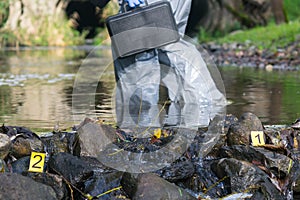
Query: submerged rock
x=15, y=186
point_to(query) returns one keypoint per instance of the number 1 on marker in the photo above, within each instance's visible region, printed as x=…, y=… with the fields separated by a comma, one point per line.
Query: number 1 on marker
x=257, y=138
x=37, y=162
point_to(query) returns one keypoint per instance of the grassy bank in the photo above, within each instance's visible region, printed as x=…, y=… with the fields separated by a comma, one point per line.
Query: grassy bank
x=292, y=8
x=270, y=37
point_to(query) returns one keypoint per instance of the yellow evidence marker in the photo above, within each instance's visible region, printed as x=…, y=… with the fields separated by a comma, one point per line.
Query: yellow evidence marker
x=37, y=162
x=157, y=133
x=257, y=138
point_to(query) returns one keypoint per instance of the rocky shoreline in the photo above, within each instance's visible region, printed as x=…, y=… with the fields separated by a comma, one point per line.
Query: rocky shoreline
x=235, y=168
x=247, y=55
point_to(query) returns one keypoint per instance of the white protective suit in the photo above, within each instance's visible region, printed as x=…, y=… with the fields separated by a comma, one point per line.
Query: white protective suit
x=180, y=68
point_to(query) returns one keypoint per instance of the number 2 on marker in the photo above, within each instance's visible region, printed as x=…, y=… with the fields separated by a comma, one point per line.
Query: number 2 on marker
x=37, y=161
x=257, y=138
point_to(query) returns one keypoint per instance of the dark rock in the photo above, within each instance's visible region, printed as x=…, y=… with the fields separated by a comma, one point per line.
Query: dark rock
x=20, y=148
x=94, y=138
x=150, y=187
x=54, y=181
x=70, y=167
x=278, y=164
x=214, y=153
x=21, y=165
x=204, y=182
x=100, y=183
x=229, y=120
x=129, y=183
x=24, y=146
x=15, y=186
x=17, y=130
x=5, y=144
x=243, y=176
x=181, y=169
x=60, y=142
x=240, y=132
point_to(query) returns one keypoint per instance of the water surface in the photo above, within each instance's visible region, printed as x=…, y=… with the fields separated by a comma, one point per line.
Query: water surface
x=36, y=88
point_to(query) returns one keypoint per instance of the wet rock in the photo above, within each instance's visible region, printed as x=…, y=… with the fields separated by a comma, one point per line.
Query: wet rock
x=181, y=169
x=21, y=165
x=240, y=132
x=201, y=183
x=15, y=186
x=70, y=167
x=20, y=148
x=273, y=162
x=284, y=138
x=60, y=142
x=132, y=156
x=214, y=153
x=99, y=183
x=24, y=146
x=150, y=187
x=12, y=131
x=229, y=120
x=54, y=181
x=94, y=138
x=244, y=176
x=4, y=145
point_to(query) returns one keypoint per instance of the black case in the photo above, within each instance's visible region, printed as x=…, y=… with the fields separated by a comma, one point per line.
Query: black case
x=143, y=28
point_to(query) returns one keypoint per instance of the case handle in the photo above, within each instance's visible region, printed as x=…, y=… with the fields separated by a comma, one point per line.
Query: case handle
x=125, y=5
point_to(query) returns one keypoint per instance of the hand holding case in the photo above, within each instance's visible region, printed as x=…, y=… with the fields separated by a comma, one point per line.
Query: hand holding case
x=141, y=29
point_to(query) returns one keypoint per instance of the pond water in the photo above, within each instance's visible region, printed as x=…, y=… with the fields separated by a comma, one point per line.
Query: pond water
x=36, y=88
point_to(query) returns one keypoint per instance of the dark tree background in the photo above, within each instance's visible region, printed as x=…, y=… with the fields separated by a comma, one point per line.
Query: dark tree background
x=35, y=20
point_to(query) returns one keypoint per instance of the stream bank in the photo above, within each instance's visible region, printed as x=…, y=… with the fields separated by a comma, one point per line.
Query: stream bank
x=234, y=168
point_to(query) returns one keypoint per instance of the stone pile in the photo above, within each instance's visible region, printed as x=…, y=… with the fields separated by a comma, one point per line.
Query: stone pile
x=240, y=165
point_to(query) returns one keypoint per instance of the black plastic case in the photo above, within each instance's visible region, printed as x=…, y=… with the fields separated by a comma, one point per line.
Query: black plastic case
x=143, y=28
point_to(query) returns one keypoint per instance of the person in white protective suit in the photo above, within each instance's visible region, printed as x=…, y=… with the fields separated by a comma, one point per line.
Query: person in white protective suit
x=179, y=67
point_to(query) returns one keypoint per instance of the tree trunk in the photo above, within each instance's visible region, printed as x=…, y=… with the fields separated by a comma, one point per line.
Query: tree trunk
x=38, y=22
x=278, y=11
x=227, y=15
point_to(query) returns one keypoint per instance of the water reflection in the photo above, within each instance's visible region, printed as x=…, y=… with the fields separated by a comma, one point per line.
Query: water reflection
x=36, y=88
x=273, y=96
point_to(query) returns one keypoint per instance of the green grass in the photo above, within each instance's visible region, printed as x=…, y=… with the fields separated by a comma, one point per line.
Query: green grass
x=269, y=37
x=292, y=8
